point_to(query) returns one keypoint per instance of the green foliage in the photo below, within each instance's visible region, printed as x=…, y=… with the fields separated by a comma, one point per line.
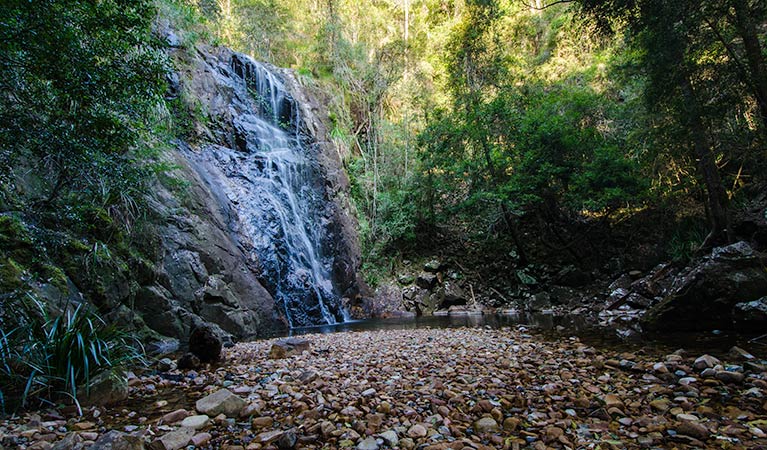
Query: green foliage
x=79, y=105
x=45, y=358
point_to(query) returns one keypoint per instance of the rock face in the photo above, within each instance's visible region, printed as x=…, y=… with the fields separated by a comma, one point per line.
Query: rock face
x=222, y=241
x=704, y=296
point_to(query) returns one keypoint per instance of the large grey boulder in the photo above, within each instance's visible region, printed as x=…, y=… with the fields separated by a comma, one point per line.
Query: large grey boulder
x=703, y=297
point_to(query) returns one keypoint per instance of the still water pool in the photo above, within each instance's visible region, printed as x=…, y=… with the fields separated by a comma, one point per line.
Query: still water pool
x=558, y=326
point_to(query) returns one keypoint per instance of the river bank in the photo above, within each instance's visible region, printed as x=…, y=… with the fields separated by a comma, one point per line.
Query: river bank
x=426, y=388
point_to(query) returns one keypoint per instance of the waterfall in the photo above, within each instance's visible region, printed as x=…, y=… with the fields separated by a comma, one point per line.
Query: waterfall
x=274, y=181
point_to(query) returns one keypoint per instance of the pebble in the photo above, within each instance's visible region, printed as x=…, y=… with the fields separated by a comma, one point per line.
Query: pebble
x=434, y=389
x=368, y=443
x=175, y=416
x=200, y=439
x=262, y=422
x=693, y=429
x=705, y=362
x=729, y=377
x=390, y=437
x=417, y=431
x=196, y=422
x=486, y=425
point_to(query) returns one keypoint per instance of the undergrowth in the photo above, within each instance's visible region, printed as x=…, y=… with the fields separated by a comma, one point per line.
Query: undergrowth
x=47, y=358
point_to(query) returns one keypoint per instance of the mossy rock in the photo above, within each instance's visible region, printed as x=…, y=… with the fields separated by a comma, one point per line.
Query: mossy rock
x=15, y=239
x=11, y=275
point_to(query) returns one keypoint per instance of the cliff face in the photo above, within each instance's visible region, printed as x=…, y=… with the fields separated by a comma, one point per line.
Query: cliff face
x=255, y=234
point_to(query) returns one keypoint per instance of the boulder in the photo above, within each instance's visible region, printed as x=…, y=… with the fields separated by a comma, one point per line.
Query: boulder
x=105, y=389
x=288, y=347
x=751, y=316
x=703, y=297
x=453, y=295
x=426, y=280
x=205, y=344
x=221, y=402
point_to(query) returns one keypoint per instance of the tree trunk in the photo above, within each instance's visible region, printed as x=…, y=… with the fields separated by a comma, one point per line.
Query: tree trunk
x=717, y=195
x=754, y=56
x=507, y=216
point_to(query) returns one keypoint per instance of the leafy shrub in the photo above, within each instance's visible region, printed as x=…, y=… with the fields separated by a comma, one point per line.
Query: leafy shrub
x=45, y=358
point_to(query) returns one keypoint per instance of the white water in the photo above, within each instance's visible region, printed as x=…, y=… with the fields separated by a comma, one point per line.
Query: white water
x=280, y=197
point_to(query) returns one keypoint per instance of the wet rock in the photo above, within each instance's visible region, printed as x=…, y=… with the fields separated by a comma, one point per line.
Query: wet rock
x=205, y=343
x=288, y=347
x=221, y=402
x=739, y=354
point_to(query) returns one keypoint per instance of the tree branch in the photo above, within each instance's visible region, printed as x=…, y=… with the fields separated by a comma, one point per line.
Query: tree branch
x=547, y=6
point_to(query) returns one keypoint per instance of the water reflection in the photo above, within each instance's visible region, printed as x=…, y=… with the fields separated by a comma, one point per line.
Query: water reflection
x=555, y=326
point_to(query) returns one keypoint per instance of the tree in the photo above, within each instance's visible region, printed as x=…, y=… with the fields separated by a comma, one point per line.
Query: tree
x=80, y=81
x=686, y=71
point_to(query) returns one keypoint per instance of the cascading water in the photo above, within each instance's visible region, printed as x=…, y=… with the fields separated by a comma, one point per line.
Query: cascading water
x=277, y=190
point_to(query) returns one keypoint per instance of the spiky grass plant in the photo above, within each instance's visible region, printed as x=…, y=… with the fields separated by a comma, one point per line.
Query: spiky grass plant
x=49, y=357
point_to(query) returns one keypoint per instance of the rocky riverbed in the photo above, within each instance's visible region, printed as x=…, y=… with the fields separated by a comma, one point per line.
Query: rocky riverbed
x=427, y=388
